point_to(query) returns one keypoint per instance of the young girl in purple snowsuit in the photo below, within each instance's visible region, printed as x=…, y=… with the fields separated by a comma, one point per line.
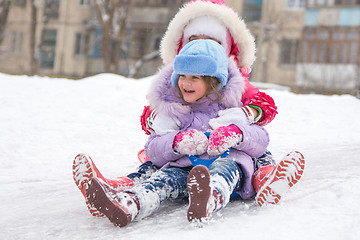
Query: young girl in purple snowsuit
x=201, y=83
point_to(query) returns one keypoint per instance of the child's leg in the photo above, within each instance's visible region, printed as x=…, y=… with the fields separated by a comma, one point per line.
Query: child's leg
x=265, y=160
x=121, y=207
x=210, y=189
x=84, y=169
x=143, y=172
x=164, y=184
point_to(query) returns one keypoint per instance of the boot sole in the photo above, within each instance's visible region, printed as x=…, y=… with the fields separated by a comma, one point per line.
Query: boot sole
x=82, y=173
x=198, y=185
x=286, y=174
x=98, y=199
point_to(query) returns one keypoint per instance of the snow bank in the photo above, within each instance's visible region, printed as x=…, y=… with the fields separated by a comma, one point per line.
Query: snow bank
x=45, y=122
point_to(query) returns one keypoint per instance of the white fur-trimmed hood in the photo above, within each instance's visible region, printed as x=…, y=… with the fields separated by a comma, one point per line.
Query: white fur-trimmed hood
x=240, y=33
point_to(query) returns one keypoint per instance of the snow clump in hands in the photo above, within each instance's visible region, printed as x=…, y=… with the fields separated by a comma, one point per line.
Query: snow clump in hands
x=191, y=142
x=223, y=138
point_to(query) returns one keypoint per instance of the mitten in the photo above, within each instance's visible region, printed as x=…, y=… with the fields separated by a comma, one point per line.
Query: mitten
x=146, y=120
x=267, y=106
x=223, y=138
x=191, y=142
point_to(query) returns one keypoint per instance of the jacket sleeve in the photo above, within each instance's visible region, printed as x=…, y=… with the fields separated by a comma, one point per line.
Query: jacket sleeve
x=255, y=140
x=253, y=96
x=159, y=149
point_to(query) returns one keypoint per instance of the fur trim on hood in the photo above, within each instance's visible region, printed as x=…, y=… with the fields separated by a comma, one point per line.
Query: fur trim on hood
x=241, y=36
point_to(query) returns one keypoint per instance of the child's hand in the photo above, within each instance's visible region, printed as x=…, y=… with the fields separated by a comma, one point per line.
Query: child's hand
x=223, y=138
x=191, y=142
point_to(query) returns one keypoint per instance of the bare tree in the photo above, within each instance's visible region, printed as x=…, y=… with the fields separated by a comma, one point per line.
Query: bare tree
x=120, y=35
x=139, y=63
x=4, y=11
x=50, y=11
x=112, y=17
x=33, y=25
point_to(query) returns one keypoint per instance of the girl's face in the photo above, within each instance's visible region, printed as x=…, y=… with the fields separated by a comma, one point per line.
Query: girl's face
x=192, y=87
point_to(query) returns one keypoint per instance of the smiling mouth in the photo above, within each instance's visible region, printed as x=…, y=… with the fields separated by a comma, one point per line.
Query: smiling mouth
x=189, y=91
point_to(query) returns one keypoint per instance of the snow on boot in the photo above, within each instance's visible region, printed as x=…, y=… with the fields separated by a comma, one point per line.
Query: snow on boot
x=285, y=175
x=119, y=207
x=84, y=169
x=203, y=199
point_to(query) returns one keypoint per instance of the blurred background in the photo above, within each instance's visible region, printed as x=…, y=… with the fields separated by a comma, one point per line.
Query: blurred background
x=304, y=45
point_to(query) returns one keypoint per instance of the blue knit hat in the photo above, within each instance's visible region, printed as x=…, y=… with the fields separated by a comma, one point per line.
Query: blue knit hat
x=203, y=57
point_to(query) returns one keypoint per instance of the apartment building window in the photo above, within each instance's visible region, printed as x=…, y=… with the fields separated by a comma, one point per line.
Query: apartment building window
x=139, y=45
x=252, y=10
x=125, y=51
x=81, y=44
x=347, y=2
x=47, y=48
x=295, y=4
x=330, y=45
x=157, y=2
x=153, y=3
x=96, y=48
x=51, y=8
x=20, y=3
x=320, y=3
x=289, y=51
x=84, y=2
x=16, y=41
x=323, y=3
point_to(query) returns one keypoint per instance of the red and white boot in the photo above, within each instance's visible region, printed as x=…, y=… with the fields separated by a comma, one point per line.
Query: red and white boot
x=84, y=169
x=272, y=182
x=203, y=199
x=119, y=207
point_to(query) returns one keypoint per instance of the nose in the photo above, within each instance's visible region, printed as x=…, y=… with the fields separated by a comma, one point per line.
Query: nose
x=186, y=82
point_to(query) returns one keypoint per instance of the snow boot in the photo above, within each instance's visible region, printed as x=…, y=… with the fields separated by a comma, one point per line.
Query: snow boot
x=272, y=182
x=262, y=175
x=203, y=199
x=84, y=169
x=119, y=207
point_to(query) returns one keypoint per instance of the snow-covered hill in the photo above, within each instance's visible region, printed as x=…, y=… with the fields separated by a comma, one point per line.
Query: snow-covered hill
x=45, y=122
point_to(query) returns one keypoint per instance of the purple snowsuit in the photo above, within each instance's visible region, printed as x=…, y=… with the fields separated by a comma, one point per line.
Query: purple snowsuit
x=166, y=99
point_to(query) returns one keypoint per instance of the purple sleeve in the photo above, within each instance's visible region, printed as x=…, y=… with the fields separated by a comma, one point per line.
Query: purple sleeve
x=159, y=149
x=255, y=140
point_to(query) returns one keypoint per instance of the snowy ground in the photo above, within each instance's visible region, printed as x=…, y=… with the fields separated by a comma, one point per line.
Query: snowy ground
x=45, y=122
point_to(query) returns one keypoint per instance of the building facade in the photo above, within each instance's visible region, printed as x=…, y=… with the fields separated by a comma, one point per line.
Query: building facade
x=307, y=45
x=329, y=58
x=57, y=31
x=65, y=39
x=278, y=28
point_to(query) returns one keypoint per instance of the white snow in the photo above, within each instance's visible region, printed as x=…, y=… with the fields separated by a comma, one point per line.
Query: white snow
x=45, y=122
